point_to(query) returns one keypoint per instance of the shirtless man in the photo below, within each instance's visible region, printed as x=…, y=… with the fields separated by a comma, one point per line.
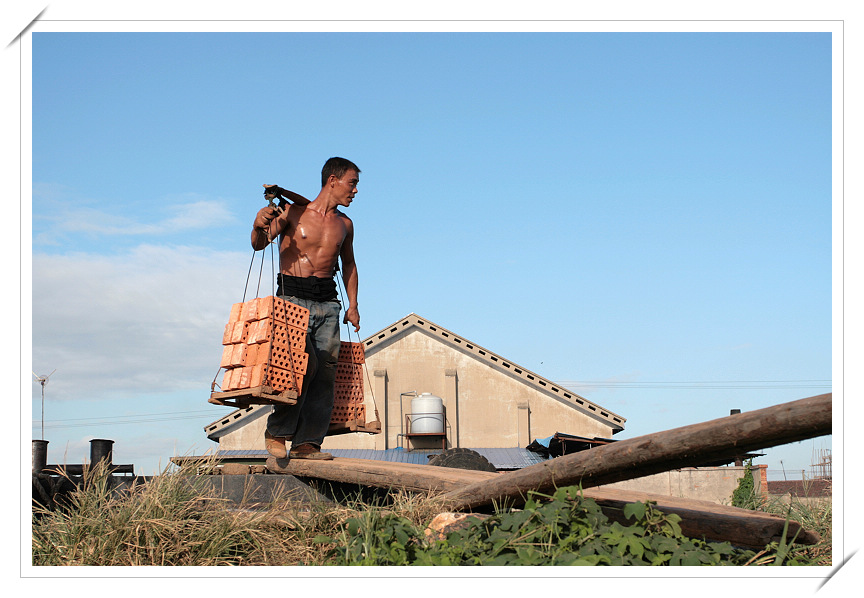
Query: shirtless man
x=312, y=237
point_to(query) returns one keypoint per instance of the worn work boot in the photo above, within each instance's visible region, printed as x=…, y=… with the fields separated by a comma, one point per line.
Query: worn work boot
x=275, y=445
x=308, y=451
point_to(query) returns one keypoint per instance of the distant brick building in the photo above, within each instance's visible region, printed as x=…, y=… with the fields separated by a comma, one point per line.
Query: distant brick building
x=818, y=488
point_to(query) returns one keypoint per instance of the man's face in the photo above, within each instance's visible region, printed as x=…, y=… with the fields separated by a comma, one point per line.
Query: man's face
x=346, y=187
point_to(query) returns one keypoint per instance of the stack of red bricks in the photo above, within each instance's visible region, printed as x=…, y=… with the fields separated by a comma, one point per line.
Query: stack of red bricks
x=265, y=344
x=348, y=404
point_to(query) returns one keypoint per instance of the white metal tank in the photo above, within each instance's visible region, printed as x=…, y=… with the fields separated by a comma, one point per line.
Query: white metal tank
x=427, y=414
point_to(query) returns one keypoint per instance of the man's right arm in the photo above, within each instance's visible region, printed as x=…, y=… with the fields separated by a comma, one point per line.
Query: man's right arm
x=295, y=198
x=262, y=228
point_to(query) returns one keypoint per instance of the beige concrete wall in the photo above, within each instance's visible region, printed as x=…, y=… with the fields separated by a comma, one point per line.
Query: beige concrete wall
x=484, y=407
x=715, y=484
x=249, y=436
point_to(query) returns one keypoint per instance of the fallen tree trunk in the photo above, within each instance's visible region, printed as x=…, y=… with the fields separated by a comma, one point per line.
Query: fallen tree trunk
x=705, y=519
x=687, y=446
x=699, y=519
x=381, y=474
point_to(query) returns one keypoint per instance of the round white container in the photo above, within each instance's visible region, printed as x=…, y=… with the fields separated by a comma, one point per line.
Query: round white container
x=427, y=414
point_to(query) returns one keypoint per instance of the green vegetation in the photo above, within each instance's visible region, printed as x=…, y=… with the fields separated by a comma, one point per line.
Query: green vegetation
x=812, y=514
x=562, y=529
x=172, y=520
x=745, y=495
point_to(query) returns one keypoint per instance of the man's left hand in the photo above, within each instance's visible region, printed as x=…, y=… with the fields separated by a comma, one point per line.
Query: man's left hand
x=352, y=315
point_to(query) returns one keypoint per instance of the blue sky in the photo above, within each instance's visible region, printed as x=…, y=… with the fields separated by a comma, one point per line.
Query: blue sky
x=646, y=217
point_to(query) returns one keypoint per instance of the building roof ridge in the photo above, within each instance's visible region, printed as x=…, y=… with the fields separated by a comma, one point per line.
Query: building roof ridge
x=497, y=361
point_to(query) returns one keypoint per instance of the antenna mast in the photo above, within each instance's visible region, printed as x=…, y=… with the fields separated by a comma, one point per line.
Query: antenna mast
x=43, y=380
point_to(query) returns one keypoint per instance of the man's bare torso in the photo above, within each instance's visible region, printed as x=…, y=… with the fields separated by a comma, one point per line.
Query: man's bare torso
x=311, y=241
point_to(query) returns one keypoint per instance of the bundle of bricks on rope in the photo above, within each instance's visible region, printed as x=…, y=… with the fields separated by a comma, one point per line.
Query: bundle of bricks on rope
x=348, y=403
x=265, y=344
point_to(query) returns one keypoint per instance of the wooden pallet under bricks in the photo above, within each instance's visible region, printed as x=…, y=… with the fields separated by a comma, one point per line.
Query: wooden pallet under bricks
x=264, y=353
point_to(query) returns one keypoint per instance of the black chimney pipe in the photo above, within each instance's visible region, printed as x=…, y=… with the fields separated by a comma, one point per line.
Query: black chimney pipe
x=100, y=450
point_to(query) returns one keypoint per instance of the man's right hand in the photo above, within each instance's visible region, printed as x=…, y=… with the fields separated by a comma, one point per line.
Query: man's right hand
x=264, y=217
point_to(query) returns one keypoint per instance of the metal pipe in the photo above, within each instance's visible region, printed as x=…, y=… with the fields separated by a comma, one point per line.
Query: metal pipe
x=100, y=449
x=40, y=455
x=402, y=417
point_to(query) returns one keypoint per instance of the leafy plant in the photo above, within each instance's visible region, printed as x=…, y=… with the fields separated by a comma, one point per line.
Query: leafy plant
x=172, y=519
x=562, y=529
x=745, y=495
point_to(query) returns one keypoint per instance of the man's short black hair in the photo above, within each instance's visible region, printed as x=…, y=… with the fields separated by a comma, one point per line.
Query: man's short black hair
x=337, y=167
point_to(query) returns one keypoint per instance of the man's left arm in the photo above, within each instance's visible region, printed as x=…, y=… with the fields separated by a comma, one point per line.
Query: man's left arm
x=349, y=276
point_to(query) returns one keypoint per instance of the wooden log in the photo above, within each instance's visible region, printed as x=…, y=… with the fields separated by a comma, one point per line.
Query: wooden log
x=699, y=519
x=686, y=446
x=707, y=520
x=381, y=474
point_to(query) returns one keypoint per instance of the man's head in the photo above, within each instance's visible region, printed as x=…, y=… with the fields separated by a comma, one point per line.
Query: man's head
x=337, y=167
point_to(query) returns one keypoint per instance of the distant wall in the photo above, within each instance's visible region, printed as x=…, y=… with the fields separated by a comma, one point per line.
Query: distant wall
x=715, y=484
x=484, y=406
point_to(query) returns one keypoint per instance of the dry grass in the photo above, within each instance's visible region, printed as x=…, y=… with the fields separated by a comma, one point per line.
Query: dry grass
x=813, y=515
x=175, y=520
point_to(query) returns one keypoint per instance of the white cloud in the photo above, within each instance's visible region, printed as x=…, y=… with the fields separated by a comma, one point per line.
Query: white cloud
x=193, y=213
x=145, y=321
x=181, y=213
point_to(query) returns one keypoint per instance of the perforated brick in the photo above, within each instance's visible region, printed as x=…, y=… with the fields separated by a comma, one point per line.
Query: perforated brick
x=235, y=332
x=265, y=343
x=245, y=378
x=280, y=357
x=228, y=380
x=263, y=353
x=279, y=333
x=277, y=378
x=226, y=356
x=348, y=394
x=251, y=356
x=257, y=331
x=234, y=356
x=295, y=315
x=351, y=352
x=283, y=311
x=287, y=335
x=249, y=311
x=236, y=310
x=349, y=374
x=346, y=413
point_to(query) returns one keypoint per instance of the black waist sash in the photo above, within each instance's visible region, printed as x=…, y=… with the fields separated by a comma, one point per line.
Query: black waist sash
x=310, y=287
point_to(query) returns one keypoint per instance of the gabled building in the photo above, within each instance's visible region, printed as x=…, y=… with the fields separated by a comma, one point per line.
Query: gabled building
x=431, y=388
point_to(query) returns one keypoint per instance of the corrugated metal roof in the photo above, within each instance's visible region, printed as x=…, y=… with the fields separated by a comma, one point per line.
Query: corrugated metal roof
x=510, y=458
x=501, y=458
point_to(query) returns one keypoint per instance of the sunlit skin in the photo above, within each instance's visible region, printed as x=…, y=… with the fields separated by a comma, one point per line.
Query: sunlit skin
x=315, y=236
